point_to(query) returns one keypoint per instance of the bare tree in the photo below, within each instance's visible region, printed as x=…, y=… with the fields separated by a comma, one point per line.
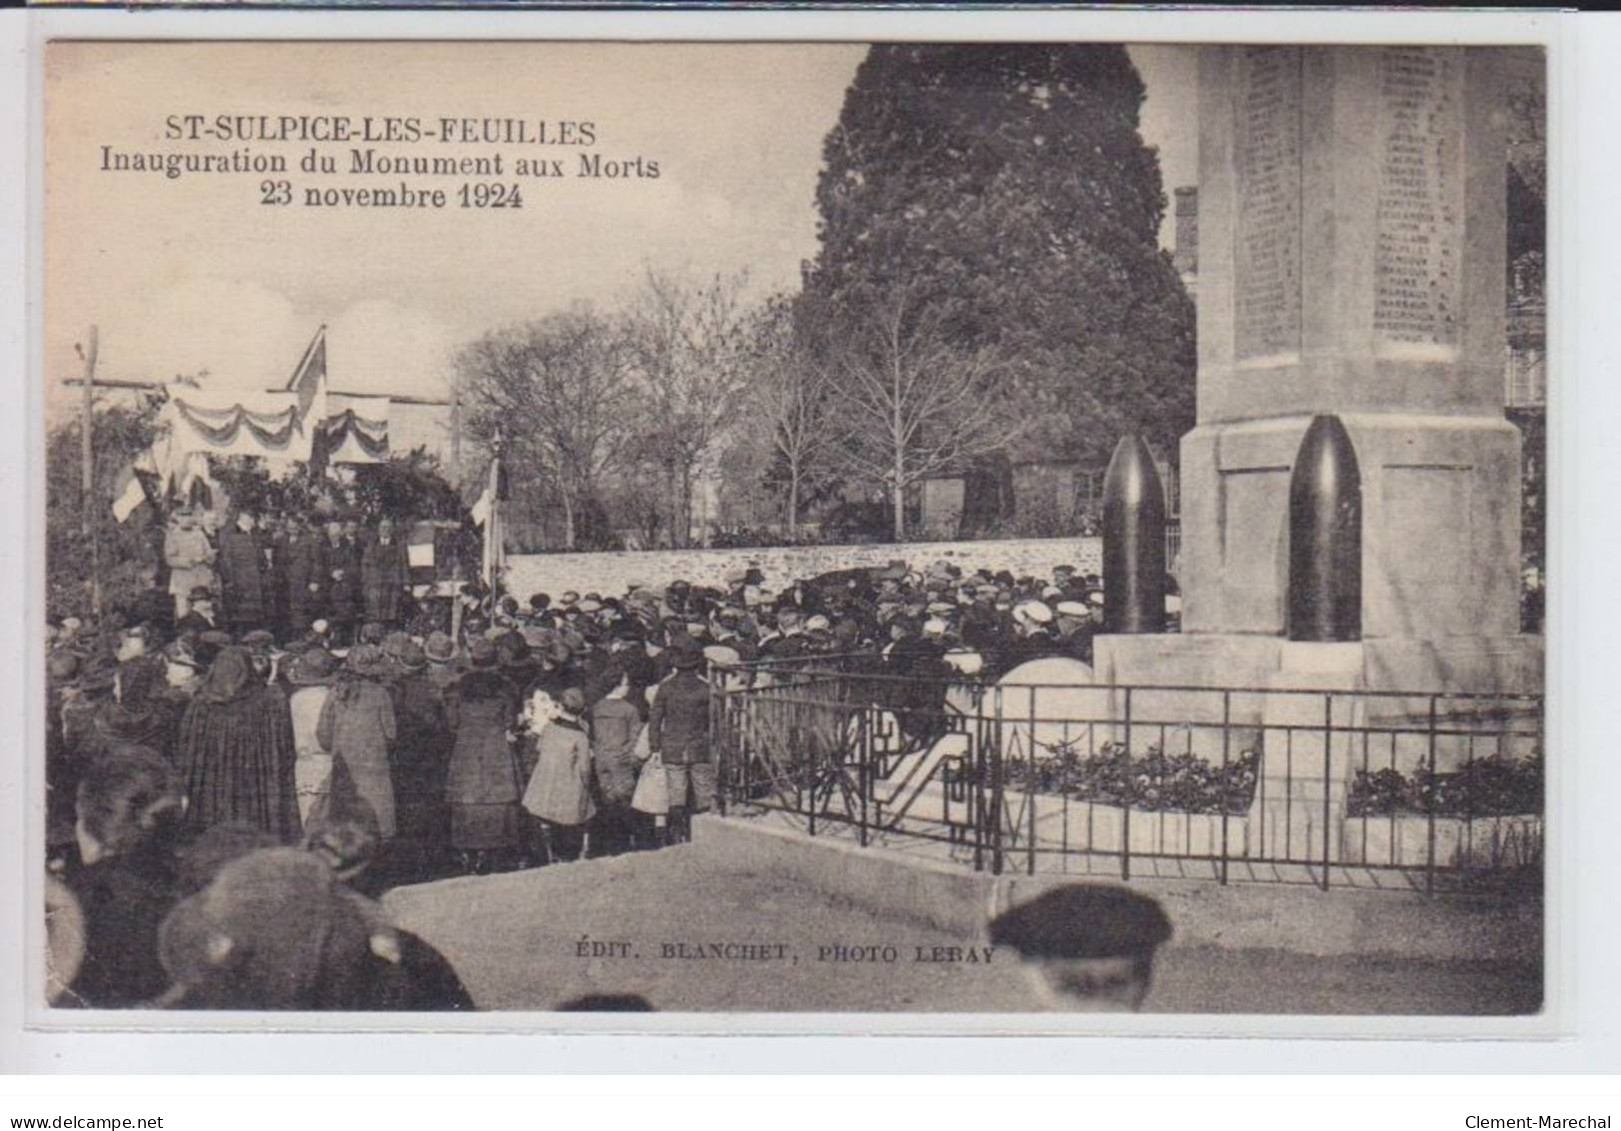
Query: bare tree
x=792, y=392
x=558, y=388
x=913, y=403
x=687, y=341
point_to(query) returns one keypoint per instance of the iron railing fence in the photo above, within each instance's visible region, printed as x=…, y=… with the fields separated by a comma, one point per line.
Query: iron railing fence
x=1303, y=785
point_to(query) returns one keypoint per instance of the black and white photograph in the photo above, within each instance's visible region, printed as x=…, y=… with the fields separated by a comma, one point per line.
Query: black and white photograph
x=770, y=528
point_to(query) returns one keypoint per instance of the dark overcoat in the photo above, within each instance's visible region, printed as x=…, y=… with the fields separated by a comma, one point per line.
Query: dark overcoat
x=342, y=602
x=678, y=726
x=481, y=710
x=383, y=575
x=242, y=583
x=303, y=561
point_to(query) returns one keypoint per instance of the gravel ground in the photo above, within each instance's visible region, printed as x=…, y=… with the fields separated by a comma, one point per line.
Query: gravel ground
x=517, y=938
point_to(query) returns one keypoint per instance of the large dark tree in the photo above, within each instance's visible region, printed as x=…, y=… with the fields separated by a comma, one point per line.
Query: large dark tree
x=1009, y=183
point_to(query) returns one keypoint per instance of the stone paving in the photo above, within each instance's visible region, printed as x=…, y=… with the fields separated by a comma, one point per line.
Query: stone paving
x=691, y=938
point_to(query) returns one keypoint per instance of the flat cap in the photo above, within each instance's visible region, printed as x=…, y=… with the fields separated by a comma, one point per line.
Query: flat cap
x=1083, y=921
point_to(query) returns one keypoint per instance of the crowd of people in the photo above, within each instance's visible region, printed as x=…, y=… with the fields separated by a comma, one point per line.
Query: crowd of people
x=290, y=698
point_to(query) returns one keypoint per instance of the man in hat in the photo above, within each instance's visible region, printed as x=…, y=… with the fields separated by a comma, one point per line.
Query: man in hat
x=302, y=558
x=1086, y=947
x=678, y=730
x=384, y=575
x=200, y=616
x=676, y=598
x=275, y=929
x=1075, y=629
x=788, y=643
x=245, y=602
x=443, y=670
x=1032, y=622
x=126, y=806
x=341, y=588
x=271, y=532
x=132, y=643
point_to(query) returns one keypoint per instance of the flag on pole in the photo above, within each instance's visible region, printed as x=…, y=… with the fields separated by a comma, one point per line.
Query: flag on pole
x=130, y=490
x=128, y=494
x=308, y=384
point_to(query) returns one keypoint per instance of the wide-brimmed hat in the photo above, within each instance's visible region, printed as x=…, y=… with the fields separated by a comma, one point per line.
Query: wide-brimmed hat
x=294, y=933
x=367, y=660
x=394, y=645
x=440, y=648
x=312, y=668
x=409, y=655
x=200, y=593
x=721, y=656
x=1032, y=612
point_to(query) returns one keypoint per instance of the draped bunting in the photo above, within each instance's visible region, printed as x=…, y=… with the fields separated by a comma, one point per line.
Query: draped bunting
x=370, y=435
x=357, y=430
x=299, y=423
x=275, y=432
x=267, y=425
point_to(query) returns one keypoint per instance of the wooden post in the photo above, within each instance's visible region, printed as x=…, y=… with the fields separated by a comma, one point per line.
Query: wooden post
x=87, y=466
x=456, y=480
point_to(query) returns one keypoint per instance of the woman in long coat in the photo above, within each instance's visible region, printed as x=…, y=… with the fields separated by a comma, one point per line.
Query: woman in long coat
x=358, y=726
x=482, y=781
x=559, y=793
x=420, y=753
x=236, y=750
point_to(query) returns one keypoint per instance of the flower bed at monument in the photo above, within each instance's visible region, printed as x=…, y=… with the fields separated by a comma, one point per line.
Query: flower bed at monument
x=1155, y=782
x=1492, y=786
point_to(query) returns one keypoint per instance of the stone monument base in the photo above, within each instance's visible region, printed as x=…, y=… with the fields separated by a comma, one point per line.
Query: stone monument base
x=1318, y=714
x=1452, y=665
